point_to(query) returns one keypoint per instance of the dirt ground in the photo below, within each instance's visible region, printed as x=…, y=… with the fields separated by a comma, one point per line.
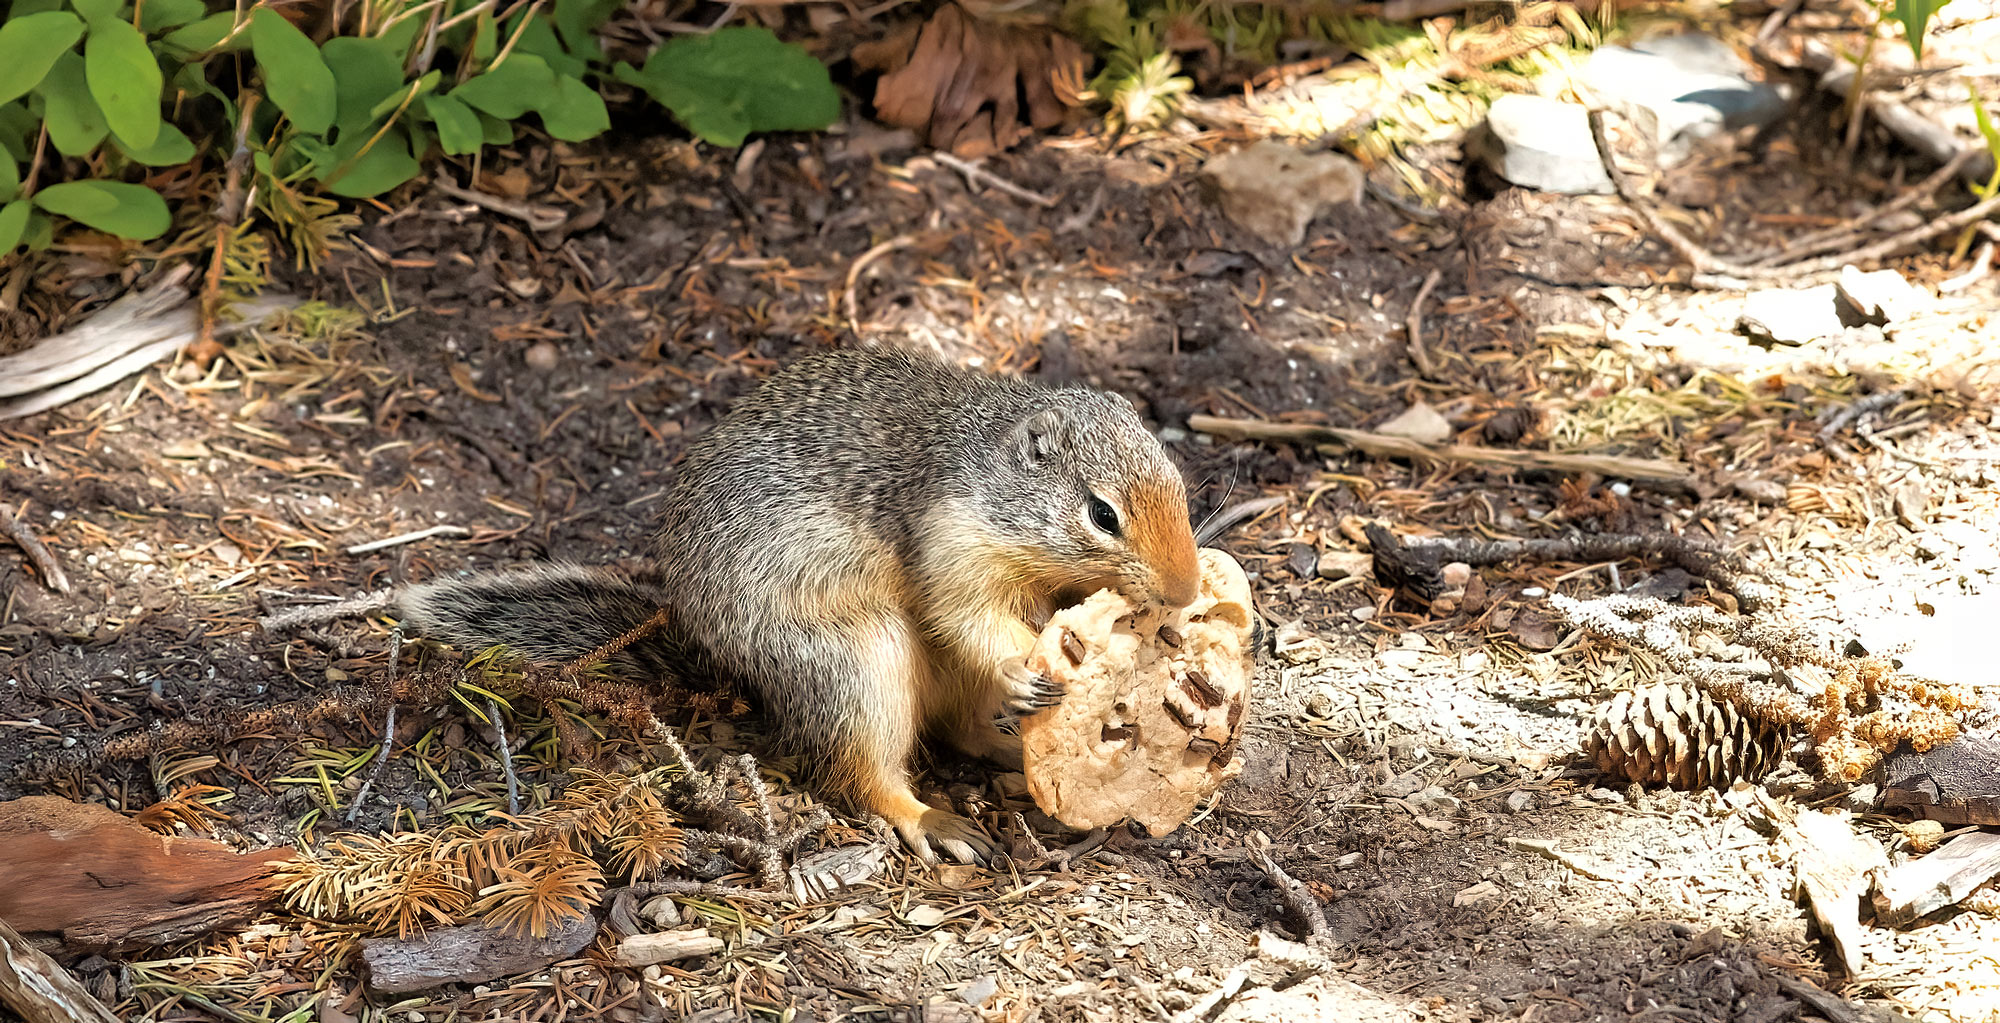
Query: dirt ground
x=1409, y=766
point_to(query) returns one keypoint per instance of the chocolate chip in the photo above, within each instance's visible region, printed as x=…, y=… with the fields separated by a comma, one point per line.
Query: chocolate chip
x=1073, y=647
x=1170, y=637
x=1196, y=684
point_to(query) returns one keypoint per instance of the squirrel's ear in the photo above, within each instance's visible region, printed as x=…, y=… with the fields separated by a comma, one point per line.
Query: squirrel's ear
x=1033, y=439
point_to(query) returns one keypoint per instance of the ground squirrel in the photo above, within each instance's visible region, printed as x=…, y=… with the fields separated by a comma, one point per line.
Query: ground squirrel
x=868, y=544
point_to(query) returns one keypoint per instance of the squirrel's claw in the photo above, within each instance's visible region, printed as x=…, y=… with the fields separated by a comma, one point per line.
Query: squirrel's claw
x=958, y=837
x=1029, y=691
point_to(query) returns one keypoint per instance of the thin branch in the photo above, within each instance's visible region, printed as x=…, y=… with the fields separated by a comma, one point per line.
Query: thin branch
x=44, y=559
x=1415, y=324
x=975, y=174
x=1384, y=445
x=1705, y=262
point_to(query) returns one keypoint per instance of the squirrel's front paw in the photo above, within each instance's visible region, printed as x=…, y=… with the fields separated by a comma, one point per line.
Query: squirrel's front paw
x=1028, y=690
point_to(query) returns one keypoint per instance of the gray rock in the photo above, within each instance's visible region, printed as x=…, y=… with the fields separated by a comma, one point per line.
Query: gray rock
x=1402, y=785
x=1540, y=143
x=1680, y=88
x=1274, y=190
x=1435, y=800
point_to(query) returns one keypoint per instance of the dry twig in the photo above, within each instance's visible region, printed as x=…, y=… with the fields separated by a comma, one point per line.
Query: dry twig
x=861, y=262
x=1416, y=566
x=1415, y=324
x=229, y=207
x=1304, y=908
x=1651, y=470
x=538, y=218
x=38, y=553
x=1713, y=270
x=977, y=175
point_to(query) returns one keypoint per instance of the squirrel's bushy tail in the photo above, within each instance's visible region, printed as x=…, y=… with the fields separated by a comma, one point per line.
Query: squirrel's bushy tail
x=549, y=614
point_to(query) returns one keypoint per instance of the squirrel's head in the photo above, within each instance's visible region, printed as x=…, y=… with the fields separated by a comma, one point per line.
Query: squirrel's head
x=1108, y=507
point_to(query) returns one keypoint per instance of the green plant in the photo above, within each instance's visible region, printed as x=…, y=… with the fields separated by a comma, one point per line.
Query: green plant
x=101, y=91
x=1141, y=79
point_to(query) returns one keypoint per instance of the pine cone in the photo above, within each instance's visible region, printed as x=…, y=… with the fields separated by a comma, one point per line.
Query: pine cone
x=1677, y=735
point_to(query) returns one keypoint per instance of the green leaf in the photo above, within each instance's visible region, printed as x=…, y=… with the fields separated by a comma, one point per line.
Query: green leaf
x=319, y=156
x=75, y=124
x=159, y=15
x=170, y=149
x=10, y=178
x=205, y=35
x=579, y=20
x=365, y=72
x=523, y=82
x=1986, y=128
x=96, y=12
x=575, y=112
x=401, y=35
x=295, y=77
x=735, y=81
x=17, y=130
x=485, y=38
x=13, y=224
x=540, y=39
x=23, y=8
x=193, y=80
x=496, y=131
x=133, y=212
x=458, y=128
x=125, y=80
x=30, y=45
x=1916, y=18
x=423, y=87
x=385, y=165
x=41, y=232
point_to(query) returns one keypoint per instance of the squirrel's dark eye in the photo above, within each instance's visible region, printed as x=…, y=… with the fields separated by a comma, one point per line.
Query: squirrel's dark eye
x=1103, y=516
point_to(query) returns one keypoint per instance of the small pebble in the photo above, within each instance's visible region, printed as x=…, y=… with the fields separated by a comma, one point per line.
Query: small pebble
x=541, y=357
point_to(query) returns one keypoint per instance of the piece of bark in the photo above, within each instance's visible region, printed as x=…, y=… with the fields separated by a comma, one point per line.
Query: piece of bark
x=105, y=884
x=120, y=340
x=1927, y=884
x=1649, y=470
x=666, y=947
x=1956, y=783
x=1835, y=864
x=1154, y=704
x=39, y=990
x=468, y=954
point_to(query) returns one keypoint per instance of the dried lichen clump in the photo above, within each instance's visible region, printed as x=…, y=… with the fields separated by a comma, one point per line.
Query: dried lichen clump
x=1781, y=673
x=1676, y=735
x=1154, y=708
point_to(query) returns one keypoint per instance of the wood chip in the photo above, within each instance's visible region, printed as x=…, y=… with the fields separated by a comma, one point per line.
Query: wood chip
x=1834, y=863
x=1925, y=885
x=666, y=947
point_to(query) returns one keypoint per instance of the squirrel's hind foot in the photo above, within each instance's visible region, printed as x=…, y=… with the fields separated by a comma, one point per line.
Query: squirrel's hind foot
x=958, y=837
